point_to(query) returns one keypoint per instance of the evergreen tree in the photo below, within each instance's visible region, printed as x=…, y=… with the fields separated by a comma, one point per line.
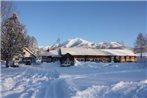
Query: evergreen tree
x=12, y=38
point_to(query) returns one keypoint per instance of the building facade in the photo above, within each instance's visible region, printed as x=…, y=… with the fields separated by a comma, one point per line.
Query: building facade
x=91, y=55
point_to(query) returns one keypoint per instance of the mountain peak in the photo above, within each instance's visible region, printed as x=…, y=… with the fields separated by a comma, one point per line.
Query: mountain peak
x=78, y=39
x=79, y=42
x=76, y=42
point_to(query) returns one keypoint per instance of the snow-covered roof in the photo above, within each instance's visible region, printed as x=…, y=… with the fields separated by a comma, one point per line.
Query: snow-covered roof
x=90, y=52
x=119, y=52
x=53, y=53
x=29, y=51
x=82, y=51
x=102, y=52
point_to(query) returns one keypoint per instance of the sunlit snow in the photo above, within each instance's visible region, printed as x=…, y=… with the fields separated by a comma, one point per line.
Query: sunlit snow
x=85, y=80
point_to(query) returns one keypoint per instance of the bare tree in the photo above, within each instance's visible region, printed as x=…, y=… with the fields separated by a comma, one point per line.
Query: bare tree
x=7, y=9
x=140, y=44
x=146, y=42
x=34, y=45
x=31, y=43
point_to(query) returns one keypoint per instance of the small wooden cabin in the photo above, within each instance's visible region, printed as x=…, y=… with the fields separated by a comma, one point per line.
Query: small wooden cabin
x=67, y=60
x=28, y=54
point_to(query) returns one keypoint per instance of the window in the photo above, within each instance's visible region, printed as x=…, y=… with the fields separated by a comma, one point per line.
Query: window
x=127, y=58
x=80, y=59
x=117, y=57
x=122, y=59
x=133, y=59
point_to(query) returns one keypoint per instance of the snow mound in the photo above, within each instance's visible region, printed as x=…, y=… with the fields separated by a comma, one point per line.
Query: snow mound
x=91, y=92
x=8, y=84
x=119, y=90
x=121, y=85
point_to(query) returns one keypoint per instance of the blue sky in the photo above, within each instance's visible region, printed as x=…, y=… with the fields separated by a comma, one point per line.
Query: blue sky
x=93, y=21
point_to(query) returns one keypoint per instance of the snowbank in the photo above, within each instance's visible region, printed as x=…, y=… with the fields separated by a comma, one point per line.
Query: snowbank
x=85, y=80
x=119, y=90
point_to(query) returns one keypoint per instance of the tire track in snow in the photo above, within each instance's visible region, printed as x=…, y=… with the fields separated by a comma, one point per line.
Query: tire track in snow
x=59, y=88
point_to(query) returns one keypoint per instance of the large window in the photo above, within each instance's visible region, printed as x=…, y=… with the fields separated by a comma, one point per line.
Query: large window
x=80, y=59
x=133, y=59
x=122, y=59
x=127, y=58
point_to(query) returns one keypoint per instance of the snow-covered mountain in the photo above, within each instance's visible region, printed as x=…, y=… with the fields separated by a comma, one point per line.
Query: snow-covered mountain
x=79, y=42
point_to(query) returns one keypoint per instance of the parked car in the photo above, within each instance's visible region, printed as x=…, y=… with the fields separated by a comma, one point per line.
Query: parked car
x=13, y=64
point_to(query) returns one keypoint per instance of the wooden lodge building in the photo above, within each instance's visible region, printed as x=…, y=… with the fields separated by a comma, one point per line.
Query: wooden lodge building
x=67, y=56
x=24, y=57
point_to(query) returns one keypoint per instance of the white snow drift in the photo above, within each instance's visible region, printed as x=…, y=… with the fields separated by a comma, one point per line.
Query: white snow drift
x=85, y=80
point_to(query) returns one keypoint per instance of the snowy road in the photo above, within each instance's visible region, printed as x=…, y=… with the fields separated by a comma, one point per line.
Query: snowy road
x=87, y=80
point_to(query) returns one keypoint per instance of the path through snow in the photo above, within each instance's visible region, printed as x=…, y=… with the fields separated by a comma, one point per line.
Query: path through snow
x=26, y=82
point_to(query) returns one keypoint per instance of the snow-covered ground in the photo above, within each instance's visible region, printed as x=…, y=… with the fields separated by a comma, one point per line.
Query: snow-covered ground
x=85, y=80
